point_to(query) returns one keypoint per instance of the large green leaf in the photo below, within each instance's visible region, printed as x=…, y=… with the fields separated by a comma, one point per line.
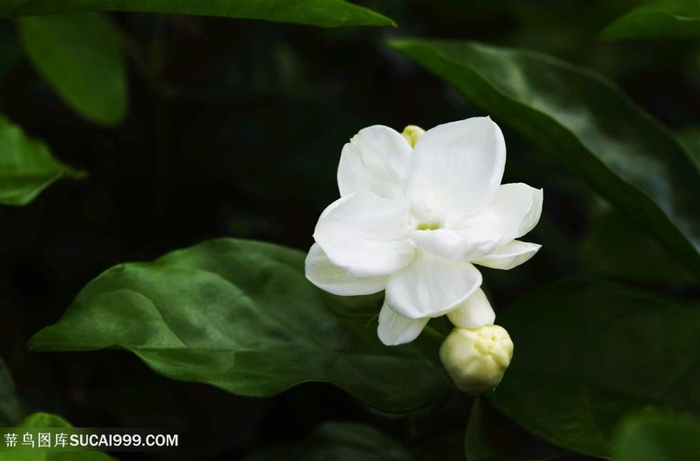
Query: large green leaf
x=492, y=437
x=690, y=138
x=339, y=441
x=660, y=18
x=657, y=437
x=43, y=421
x=241, y=316
x=588, y=353
x=10, y=409
x=327, y=13
x=80, y=56
x=585, y=123
x=26, y=166
x=615, y=247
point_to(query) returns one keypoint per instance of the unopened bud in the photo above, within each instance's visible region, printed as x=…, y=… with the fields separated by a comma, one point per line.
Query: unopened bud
x=412, y=133
x=476, y=358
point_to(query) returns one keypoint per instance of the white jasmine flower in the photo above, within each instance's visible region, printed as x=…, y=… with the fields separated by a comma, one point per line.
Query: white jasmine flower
x=416, y=212
x=476, y=359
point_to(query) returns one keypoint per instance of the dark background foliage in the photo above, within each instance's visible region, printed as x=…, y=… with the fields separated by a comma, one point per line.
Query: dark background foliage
x=235, y=129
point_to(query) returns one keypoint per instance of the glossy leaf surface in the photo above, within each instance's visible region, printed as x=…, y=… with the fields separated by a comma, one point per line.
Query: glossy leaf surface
x=241, y=316
x=585, y=123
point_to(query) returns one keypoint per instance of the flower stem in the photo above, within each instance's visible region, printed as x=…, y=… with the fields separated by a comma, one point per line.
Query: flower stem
x=434, y=334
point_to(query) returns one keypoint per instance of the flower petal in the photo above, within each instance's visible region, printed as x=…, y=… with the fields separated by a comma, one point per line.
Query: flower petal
x=321, y=272
x=431, y=286
x=512, y=213
x=377, y=159
x=457, y=167
x=365, y=234
x=452, y=246
x=395, y=329
x=474, y=312
x=441, y=242
x=510, y=255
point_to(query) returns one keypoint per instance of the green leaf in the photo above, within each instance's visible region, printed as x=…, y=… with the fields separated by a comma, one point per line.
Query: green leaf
x=615, y=247
x=690, y=138
x=657, y=437
x=26, y=166
x=661, y=18
x=241, y=316
x=588, y=353
x=586, y=124
x=40, y=421
x=326, y=13
x=81, y=58
x=10, y=408
x=493, y=437
x=340, y=441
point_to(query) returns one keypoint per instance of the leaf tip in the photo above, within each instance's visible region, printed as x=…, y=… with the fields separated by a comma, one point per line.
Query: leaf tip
x=38, y=341
x=76, y=174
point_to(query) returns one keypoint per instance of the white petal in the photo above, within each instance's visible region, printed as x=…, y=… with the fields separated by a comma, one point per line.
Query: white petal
x=514, y=211
x=457, y=167
x=510, y=255
x=321, y=272
x=475, y=312
x=367, y=235
x=453, y=246
x=441, y=242
x=377, y=159
x=395, y=329
x=431, y=286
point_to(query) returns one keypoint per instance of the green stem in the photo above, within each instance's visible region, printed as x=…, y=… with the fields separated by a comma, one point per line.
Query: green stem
x=434, y=334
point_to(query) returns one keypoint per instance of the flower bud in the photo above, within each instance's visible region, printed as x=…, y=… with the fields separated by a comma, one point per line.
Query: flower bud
x=476, y=358
x=412, y=133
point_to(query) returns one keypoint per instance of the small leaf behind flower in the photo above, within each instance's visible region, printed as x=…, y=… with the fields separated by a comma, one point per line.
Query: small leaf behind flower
x=26, y=166
x=241, y=316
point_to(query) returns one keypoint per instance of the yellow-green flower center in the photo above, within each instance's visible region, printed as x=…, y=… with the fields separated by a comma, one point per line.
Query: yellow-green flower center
x=428, y=226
